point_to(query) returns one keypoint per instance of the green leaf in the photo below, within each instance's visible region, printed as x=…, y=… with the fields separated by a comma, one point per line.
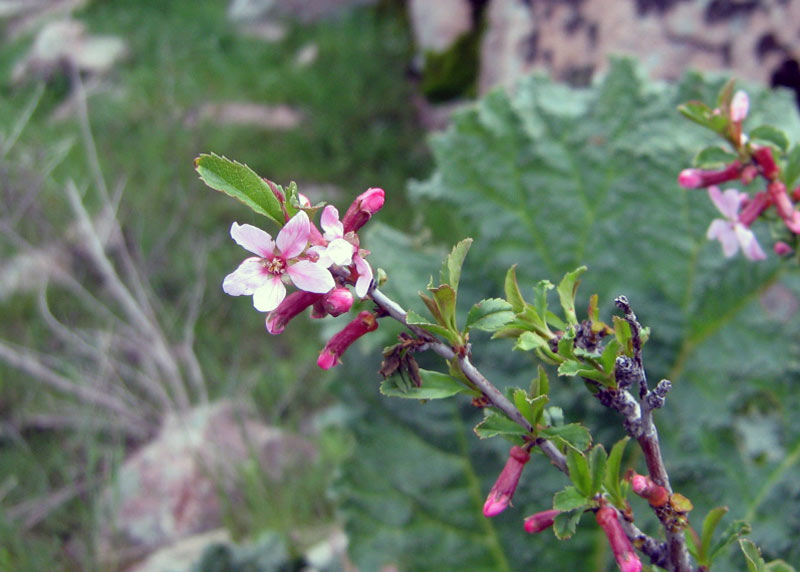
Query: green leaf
x=531, y=408
x=578, y=369
x=540, y=297
x=791, y=168
x=495, y=424
x=528, y=341
x=770, y=135
x=575, y=434
x=613, y=476
x=569, y=499
x=445, y=297
x=414, y=319
x=540, y=384
x=710, y=524
x=734, y=531
x=240, y=182
x=513, y=294
x=780, y=566
x=579, y=472
x=451, y=268
x=489, y=315
x=752, y=555
x=435, y=385
x=565, y=523
x=567, y=289
x=597, y=466
x=713, y=157
x=696, y=111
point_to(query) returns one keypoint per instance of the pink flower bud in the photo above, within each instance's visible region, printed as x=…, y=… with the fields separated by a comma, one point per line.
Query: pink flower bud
x=763, y=156
x=782, y=249
x=621, y=546
x=337, y=301
x=749, y=174
x=291, y=306
x=646, y=488
x=752, y=208
x=361, y=210
x=540, y=521
x=740, y=104
x=500, y=496
x=338, y=344
x=697, y=178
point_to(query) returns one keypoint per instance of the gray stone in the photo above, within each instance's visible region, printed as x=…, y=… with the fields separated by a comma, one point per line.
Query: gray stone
x=437, y=25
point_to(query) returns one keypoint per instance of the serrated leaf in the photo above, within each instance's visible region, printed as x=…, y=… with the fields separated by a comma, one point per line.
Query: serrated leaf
x=780, y=566
x=567, y=289
x=495, y=424
x=622, y=332
x=565, y=523
x=435, y=385
x=489, y=315
x=445, y=298
x=608, y=358
x=530, y=407
x=540, y=297
x=540, y=384
x=597, y=467
x=710, y=523
x=528, y=341
x=575, y=434
x=451, y=268
x=735, y=530
x=771, y=135
x=513, y=294
x=791, y=168
x=577, y=369
x=414, y=319
x=613, y=475
x=713, y=157
x=579, y=472
x=752, y=555
x=240, y=182
x=569, y=499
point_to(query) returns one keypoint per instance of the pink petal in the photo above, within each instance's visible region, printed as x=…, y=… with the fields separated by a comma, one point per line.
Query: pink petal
x=340, y=252
x=246, y=279
x=740, y=104
x=253, y=239
x=311, y=277
x=293, y=237
x=727, y=203
x=364, y=276
x=747, y=240
x=270, y=295
x=721, y=230
x=330, y=223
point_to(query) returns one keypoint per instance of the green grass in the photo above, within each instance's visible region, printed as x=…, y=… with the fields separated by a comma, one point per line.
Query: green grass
x=359, y=131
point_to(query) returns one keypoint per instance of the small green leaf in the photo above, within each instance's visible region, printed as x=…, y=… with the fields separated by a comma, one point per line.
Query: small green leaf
x=597, y=466
x=575, y=434
x=540, y=384
x=566, y=344
x=565, y=523
x=555, y=416
x=489, y=315
x=540, y=297
x=735, y=530
x=579, y=472
x=513, y=294
x=752, y=555
x=567, y=289
x=608, y=358
x=528, y=341
x=771, y=136
x=497, y=424
x=435, y=385
x=710, y=524
x=445, y=297
x=713, y=157
x=531, y=408
x=622, y=332
x=451, y=269
x=791, y=169
x=725, y=94
x=612, y=480
x=569, y=499
x=240, y=182
x=780, y=566
x=414, y=319
x=696, y=111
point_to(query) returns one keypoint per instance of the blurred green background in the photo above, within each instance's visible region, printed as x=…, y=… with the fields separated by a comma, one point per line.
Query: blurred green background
x=549, y=178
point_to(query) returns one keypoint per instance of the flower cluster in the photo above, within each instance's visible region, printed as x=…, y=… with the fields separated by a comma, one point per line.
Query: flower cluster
x=740, y=210
x=319, y=264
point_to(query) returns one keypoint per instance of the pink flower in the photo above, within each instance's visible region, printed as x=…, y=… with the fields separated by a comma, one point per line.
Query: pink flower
x=730, y=232
x=697, y=178
x=364, y=280
x=338, y=251
x=540, y=521
x=361, y=210
x=363, y=323
x=291, y=306
x=500, y=496
x=782, y=249
x=263, y=276
x=337, y=301
x=621, y=546
x=740, y=104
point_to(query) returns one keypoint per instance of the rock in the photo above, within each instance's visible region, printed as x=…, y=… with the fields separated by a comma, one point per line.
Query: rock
x=437, y=25
x=169, y=489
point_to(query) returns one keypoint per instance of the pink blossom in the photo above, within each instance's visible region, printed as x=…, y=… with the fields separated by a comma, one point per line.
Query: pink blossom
x=697, y=178
x=503, y=490
x=782, y=249
x=263, y=276
x=362, y=324
x=730, y=232
x=621, y=546
x=291, y=306
x=337, y=301
x=540, y=521
x=363, y=207
x=740, y=104
x=338, y=251
x=364, y=279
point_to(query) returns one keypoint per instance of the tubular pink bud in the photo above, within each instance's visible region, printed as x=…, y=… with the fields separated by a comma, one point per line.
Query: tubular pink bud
x=782, y=249
x=698, y=178
x=292, y=305
x=337, y=301
x=753, y=208
x=540, y=521
x=740, y=104
x=338, y=344
x=763, y=156
x=361, y=210
x=749, y=174
x=500, y=496
x=621, y=546
x=644, y=486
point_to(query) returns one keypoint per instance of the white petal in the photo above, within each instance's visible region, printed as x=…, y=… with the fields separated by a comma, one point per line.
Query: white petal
x=311, y=276
x=270, y=295
x=726, y=202
x=722, y=230
x=293, y=237
x=253, y=239
x=340, y=252
x=747, y=240
x=246, y=279
x=331, y=224
x=364, y=276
